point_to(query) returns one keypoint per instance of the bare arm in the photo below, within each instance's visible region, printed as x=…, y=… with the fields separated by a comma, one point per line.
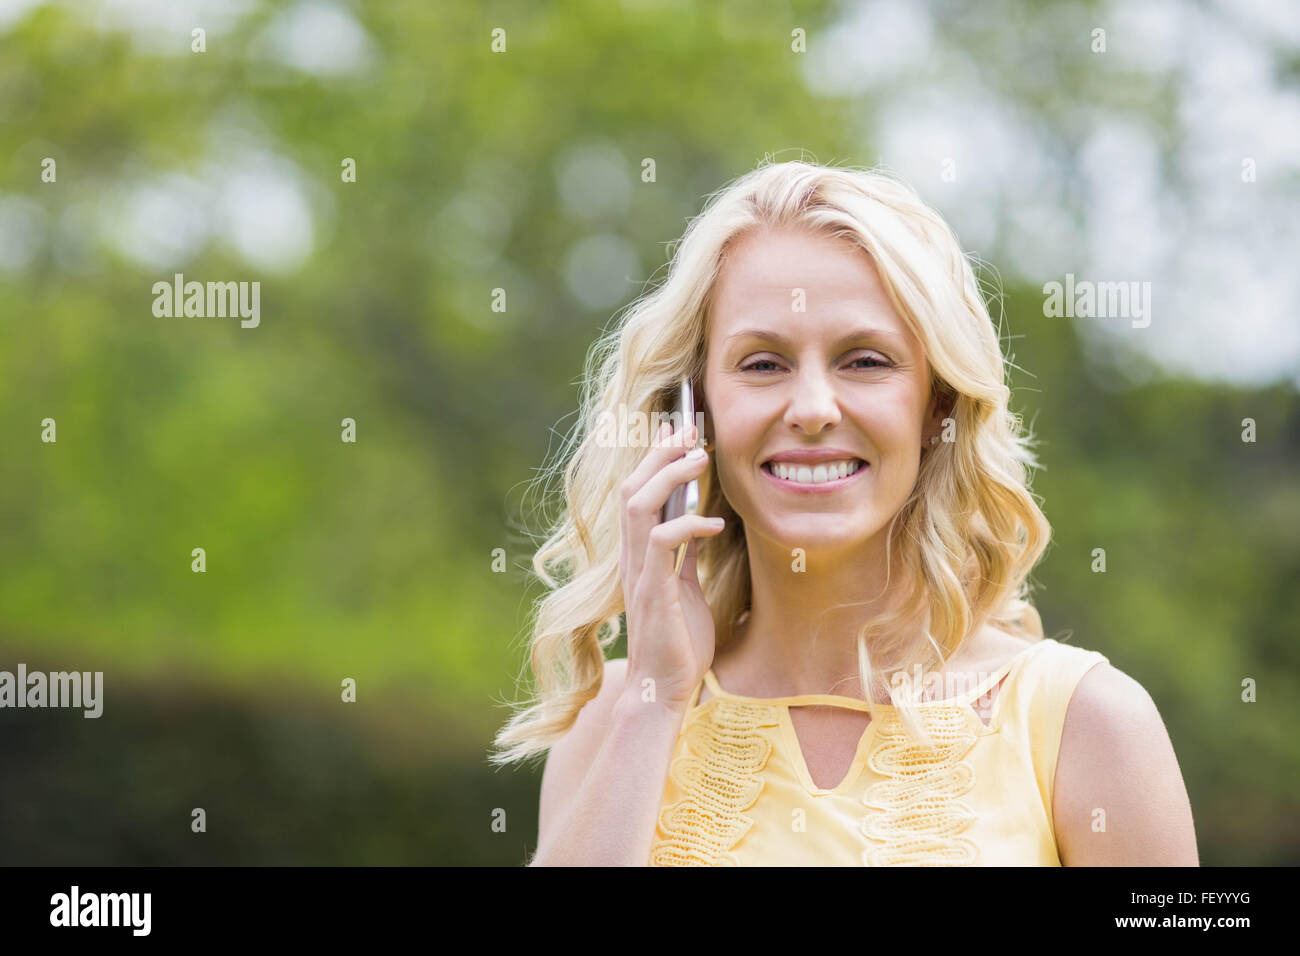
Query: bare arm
x=1119, y=797
x=604, y=780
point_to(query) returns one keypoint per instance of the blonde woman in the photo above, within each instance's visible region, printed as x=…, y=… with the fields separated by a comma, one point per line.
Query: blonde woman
x=846, y=669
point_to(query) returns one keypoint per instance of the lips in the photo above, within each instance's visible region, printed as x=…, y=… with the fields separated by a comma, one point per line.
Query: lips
x=813, y=456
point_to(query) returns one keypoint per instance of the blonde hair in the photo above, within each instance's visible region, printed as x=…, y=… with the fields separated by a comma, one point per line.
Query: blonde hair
x=967, y=537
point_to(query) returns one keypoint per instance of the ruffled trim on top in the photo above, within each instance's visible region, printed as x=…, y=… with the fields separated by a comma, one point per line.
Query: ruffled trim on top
x=920, y=817
x=718, y=771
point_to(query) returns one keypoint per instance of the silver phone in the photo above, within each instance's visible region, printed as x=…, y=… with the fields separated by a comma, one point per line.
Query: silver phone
x=687, y=498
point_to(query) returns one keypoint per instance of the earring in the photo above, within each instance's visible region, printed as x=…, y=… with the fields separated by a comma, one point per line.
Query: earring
x=932, y=441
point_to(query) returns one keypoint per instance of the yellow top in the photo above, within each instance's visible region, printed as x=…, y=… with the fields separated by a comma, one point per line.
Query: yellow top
x=739, y=793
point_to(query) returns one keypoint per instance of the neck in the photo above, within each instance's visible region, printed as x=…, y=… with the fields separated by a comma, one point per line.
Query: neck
x=801, y=634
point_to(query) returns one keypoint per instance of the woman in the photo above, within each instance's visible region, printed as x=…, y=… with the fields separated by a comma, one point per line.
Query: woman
x=846, y=670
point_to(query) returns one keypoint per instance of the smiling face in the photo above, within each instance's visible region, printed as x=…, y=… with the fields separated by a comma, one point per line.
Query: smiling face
x=843, y=383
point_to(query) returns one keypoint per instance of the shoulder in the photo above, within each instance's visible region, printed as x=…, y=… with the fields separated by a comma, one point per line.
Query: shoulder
x=572, y=754
x=1119, y=797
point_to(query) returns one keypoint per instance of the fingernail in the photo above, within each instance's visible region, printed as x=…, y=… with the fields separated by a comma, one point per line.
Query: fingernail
x=697, y=454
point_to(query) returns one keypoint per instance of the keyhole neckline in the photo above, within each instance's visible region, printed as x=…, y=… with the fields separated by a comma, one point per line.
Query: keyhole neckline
x=854, y=703
x=867, y=740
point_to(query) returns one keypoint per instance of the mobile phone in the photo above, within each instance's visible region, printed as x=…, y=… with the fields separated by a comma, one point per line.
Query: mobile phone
x=687, y=498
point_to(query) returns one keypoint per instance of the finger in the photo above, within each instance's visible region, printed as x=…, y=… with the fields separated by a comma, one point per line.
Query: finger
x=625, y=549
x=661, y=550
x=667, y=446
x=641, y=511
x=630, y=563
x=645, y=508
x=654, y=493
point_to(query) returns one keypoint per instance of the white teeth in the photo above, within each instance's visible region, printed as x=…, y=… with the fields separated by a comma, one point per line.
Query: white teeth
x=815, y=474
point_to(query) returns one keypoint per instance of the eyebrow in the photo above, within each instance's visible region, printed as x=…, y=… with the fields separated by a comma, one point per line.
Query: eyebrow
x=768, y=335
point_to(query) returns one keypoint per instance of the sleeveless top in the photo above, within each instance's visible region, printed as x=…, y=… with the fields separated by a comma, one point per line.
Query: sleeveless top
x=739, y=793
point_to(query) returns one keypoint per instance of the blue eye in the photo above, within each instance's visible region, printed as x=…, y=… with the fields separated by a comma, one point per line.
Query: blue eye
x=751, y=365
x=878, y=362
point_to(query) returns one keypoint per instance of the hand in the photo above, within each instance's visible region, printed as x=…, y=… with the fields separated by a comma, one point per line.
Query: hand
x=670, y=635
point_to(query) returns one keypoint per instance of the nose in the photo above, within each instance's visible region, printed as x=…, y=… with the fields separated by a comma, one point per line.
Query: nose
x=814, y=405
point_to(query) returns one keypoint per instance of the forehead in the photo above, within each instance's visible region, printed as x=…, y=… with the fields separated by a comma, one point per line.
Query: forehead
x=841, y=288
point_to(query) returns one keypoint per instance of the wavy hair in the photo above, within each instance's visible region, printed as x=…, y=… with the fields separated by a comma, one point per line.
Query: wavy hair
x=965, y=540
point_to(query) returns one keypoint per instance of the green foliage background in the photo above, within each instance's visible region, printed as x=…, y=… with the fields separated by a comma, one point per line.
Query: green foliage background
x=372, y=561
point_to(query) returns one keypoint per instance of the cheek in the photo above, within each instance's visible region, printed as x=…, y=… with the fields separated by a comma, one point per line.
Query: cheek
x=892, y=425
x=735, y=471
x=731, y=471
x=737, y=428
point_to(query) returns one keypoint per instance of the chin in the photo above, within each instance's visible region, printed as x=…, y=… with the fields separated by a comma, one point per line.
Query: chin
x=821, y=532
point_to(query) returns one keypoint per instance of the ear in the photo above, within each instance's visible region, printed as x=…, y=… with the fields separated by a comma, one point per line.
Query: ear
x=943, y=399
